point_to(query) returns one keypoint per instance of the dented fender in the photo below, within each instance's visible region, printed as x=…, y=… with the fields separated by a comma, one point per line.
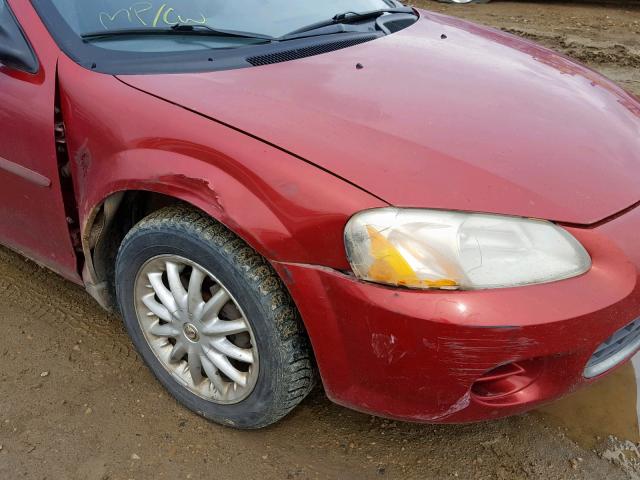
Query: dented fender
x=284, y=207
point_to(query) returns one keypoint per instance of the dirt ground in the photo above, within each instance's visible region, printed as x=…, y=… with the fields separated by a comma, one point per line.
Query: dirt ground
x=76, y=402
x=603, y=35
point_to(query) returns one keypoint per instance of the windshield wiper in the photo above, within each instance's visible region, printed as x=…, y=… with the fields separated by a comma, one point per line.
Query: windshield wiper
x=346, y=17
x=177, y=29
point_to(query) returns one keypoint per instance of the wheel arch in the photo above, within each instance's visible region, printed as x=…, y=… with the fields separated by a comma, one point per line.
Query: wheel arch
x=108, y=220
x=284, y=207
x=287, y=211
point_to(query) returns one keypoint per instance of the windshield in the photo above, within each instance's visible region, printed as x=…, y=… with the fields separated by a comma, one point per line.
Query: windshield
x=166, y=36
x=266, y=17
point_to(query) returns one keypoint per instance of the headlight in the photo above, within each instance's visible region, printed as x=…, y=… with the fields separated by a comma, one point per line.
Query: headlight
x=452, y=250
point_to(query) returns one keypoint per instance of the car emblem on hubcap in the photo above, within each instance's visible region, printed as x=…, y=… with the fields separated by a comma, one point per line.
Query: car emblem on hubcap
x=191, y=332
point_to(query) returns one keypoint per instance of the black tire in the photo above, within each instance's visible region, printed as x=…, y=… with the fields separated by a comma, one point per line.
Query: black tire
x=286, y=374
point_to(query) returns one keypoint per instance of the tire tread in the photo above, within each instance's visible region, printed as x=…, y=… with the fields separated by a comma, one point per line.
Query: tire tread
x=299, y=375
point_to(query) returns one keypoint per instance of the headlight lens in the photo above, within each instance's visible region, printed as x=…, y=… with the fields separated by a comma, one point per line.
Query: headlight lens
x=453, y=250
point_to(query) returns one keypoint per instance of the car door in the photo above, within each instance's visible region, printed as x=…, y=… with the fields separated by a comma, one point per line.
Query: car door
x=32, y=210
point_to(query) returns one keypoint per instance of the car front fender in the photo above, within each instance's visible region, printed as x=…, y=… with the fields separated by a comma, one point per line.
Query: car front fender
x=120, y=139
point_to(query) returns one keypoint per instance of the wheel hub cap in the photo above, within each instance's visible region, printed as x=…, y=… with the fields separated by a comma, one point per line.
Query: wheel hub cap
x=196, y=329
x=191, y=332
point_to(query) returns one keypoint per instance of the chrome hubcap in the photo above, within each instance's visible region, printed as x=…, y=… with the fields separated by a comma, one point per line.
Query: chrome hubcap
x=191, y=332
x=196, y=329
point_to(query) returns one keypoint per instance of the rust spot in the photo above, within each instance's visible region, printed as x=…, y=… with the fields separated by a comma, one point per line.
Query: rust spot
x=83, y=159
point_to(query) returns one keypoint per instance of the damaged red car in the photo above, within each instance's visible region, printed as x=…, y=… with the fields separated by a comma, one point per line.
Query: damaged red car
x=437, y=220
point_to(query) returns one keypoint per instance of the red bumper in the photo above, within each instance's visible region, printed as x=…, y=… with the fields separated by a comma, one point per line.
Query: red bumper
x=419, y=355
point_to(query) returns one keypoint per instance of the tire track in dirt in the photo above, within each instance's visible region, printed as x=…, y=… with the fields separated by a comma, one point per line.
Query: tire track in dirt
x=54, y=301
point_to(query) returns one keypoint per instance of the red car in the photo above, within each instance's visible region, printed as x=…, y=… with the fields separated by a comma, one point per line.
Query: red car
x=438, y=220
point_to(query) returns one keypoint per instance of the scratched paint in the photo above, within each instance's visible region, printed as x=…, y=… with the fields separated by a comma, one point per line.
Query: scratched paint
x=608, y=407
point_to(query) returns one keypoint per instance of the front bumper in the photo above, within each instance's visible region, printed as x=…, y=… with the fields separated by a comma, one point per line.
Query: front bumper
x=425, y=355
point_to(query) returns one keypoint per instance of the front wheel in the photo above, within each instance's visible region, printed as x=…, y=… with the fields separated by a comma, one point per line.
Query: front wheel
x=212, y=320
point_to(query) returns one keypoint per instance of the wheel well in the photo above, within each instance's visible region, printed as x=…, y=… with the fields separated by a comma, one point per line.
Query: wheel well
x=104, y=232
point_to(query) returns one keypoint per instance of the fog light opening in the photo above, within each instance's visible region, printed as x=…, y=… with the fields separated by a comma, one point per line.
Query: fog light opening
x=501, y=381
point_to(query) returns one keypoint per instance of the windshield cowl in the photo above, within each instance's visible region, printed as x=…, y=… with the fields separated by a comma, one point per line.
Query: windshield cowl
x=118, y=36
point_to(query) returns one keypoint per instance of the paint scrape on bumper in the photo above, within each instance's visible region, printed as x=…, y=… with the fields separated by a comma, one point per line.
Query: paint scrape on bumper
x=442, y=356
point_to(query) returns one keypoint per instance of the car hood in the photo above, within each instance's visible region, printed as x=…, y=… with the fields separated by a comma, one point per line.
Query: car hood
x=443, y=114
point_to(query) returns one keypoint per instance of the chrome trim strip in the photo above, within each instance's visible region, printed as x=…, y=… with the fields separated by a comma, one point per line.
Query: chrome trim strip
x=24, y=172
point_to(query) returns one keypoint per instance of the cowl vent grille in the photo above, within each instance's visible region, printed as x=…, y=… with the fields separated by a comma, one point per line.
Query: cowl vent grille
x=303, y=52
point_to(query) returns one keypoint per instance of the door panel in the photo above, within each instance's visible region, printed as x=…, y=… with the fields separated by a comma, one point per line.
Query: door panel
x=32, y=213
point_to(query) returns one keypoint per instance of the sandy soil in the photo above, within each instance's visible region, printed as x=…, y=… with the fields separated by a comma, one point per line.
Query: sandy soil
x=77, y=403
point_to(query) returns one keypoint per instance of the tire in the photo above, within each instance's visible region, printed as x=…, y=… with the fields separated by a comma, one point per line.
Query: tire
x=275, y=335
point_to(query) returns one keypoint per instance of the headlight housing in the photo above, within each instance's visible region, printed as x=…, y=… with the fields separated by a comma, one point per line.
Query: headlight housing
x=423, y=249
